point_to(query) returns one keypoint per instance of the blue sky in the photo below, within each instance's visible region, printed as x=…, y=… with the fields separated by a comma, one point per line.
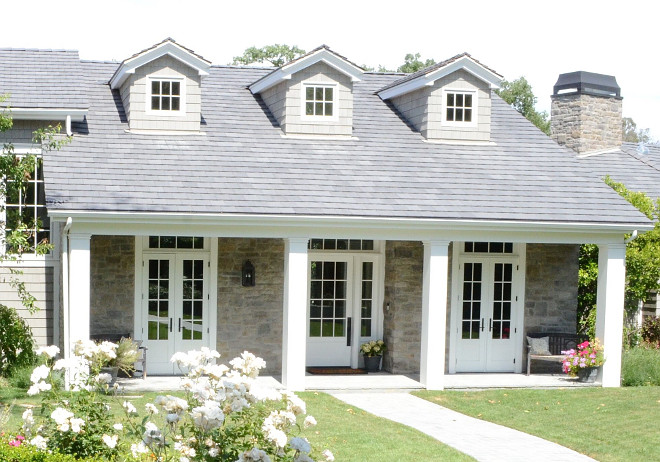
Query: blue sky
x=538, y=40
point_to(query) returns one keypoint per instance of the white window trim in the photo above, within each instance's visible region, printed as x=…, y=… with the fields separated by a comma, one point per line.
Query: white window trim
x=335, y=102
x=28, y=259
x=160, y=113
x=475, y=107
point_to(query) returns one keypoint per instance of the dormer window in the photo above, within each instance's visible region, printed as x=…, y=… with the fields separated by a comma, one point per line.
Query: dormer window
x=166, y=95
x=460, y=106
x=319, y=100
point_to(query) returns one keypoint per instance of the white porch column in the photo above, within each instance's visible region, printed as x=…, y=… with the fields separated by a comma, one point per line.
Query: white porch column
x=295, y=314
x=79, y=291
x=609, y=312
x=434, y=314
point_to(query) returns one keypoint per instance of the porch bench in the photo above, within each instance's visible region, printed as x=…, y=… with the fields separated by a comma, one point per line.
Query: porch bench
x=115, y=338
x=557, y=342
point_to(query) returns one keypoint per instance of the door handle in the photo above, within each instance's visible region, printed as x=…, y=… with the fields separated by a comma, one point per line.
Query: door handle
x=490, y=325
x=482, y=324
x=349, y=330
x=170, y=324
x=179, y=324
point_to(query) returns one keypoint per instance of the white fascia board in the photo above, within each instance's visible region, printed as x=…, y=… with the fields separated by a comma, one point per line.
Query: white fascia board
x=281, y=226
x=77, y=115
x=285, y=72
x=464, y=63
x=172, y=49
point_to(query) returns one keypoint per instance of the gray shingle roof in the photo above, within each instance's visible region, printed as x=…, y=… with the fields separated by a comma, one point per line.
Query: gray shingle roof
x=638, y=172
x=48, y=79
x=242, y=164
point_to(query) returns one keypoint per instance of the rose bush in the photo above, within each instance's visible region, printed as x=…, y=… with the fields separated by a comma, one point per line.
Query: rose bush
x=225, y=414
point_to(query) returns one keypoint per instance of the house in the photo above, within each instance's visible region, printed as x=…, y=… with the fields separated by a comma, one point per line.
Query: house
x=602, y=150
x=297, y=212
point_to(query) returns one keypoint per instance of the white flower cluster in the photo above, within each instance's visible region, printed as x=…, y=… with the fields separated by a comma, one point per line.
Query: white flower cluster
x=38, y=377
x=65, y=420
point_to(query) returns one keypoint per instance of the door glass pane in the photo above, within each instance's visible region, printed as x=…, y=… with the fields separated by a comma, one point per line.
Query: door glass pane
x=470, y=327
x=158, y=302
x=327, y=298
x=503, y=279
x=367, y=298
x=192, y=287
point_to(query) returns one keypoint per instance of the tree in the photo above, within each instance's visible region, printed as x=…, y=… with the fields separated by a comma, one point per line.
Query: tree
x=632, y=135
x=276, y=55
x=518, y=93
x=642, y=260
x=413, y=63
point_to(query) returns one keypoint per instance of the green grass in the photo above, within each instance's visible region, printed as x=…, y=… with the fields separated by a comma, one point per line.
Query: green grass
x=608, y=424
x=354, y=435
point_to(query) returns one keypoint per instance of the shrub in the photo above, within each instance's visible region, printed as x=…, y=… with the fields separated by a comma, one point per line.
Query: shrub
x=20, y=377
x=24, y=452
x=651, y=331
x=640, y=366
x=16, y=342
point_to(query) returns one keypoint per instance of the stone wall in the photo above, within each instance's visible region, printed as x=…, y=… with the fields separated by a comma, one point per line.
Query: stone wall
x=250, y=318
x=112, y=284
x=586, y=123
x=551, y=288
x=402, y=324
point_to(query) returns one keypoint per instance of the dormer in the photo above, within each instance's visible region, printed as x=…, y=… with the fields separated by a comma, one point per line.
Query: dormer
x=160, y=88
x=313, y=94
x=449, y=101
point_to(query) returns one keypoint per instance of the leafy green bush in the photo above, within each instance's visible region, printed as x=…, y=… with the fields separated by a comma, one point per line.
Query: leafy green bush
x=651, y=331
x=26, y=453
x=641, y=366
x=16, y=342
x=20, y=377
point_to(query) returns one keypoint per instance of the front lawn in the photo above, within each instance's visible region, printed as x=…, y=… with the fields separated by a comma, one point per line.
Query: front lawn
x=608, y=424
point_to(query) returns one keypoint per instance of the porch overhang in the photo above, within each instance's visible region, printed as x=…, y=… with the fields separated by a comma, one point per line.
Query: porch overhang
x=391, y=228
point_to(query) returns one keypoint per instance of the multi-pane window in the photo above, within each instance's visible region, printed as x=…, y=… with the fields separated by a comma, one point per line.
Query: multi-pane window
x=165, y=95
x=319, y=100
x=341, y=244
x=459, y=107
x=176, y=242
x=489, y=247
x=327, y=298
x=27, y=206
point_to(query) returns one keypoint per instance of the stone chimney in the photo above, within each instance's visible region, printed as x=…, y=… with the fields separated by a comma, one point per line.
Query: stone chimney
x=586, y=112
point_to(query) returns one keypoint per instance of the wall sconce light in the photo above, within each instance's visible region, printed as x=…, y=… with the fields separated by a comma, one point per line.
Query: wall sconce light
x=247, y=276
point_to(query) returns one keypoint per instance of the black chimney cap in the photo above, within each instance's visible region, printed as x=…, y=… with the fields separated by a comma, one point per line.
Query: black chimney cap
x=587, y=83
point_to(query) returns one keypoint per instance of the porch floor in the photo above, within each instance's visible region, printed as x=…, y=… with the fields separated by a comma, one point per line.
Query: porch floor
x=382, y=381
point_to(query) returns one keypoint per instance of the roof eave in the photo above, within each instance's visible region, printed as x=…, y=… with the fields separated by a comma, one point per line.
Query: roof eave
x=177, y=52
x=18, y=113
x=323, y=55
x=464, y=63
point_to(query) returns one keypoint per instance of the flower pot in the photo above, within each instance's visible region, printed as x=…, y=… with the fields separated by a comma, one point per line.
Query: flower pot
x=113, y=373
x=372, y=363
x=587, y=374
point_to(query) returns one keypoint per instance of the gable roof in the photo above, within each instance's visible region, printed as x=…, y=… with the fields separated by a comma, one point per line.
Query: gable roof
x=166, y=47
x=637, y=171
x=322, y=53
x=242, y=166
x=432, y=73
x=42, y=83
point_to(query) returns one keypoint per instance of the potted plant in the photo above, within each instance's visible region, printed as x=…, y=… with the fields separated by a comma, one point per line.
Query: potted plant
x=373, y=352
x=107, y=357
x=584, y=362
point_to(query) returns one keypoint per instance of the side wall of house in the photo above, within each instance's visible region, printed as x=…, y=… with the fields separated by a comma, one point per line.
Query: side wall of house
x=275, y=99
x=250, y=318
x=413, y=107
x=112, y=275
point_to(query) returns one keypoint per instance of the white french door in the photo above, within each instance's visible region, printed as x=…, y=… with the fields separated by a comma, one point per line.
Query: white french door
x=174, y=314
x=343, y=294
x=487, y=315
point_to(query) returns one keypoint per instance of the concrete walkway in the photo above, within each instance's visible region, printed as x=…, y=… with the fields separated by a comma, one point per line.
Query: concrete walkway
x=482, y=440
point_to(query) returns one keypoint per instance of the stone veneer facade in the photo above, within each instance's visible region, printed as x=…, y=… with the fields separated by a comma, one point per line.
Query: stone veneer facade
x=250, y=318
x=112, y=285
x=586, y=123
